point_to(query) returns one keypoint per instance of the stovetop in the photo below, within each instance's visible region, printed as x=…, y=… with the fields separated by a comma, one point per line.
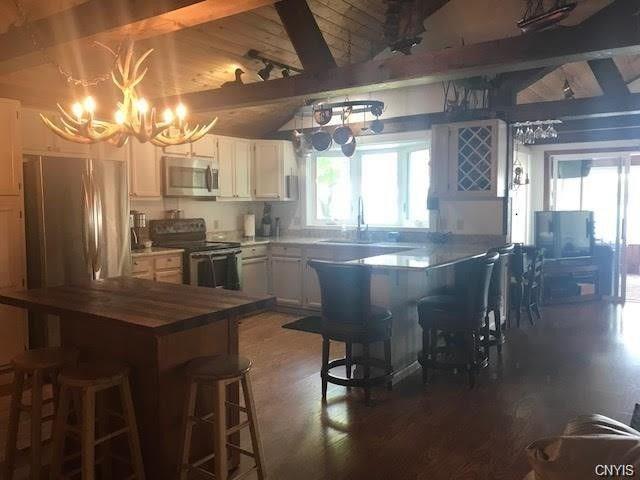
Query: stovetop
x=187, y=233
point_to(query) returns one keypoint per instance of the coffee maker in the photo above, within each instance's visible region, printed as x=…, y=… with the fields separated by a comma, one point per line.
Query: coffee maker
x=139, y=229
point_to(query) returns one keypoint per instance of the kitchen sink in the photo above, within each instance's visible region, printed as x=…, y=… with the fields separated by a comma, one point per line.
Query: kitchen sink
x=348, y=241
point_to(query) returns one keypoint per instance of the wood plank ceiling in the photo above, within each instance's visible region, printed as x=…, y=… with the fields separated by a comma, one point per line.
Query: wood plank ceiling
x=205, y=56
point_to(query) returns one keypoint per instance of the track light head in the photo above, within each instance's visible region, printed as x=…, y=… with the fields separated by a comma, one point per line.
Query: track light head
x=265, y=73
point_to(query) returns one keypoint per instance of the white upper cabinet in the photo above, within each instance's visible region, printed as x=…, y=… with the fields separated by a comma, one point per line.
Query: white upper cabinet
x=234, y=161
x=469, y=159
x=144, y=170
x=205, y=147
x=10, y=148
x=275, y=170
x=107, y=151
x=38, y=138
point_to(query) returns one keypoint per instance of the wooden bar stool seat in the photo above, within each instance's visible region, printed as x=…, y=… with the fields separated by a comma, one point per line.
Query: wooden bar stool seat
x=81, y=385
x=218, y=372
x=37, y=366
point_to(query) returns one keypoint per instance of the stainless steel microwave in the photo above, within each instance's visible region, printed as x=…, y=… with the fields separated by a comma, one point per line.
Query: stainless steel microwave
x=190, y=177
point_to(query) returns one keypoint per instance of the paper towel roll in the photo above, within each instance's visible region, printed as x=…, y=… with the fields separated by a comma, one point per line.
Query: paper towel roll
x=249, y=225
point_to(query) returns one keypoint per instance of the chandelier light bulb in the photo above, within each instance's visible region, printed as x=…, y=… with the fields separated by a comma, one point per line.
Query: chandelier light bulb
x=77, y=109
x=89, y=104
x=119, y=117
x=181, y=111
x=168, y=115
x=142, y=106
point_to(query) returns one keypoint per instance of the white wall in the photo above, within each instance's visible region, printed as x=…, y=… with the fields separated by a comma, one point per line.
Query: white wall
x=220, y=216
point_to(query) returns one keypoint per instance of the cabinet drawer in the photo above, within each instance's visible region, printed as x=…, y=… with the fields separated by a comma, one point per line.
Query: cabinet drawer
x=144, y=275
x=255, y=251
x=169, y=276
x=170, y=261
x=140, y=265
x=281, y=251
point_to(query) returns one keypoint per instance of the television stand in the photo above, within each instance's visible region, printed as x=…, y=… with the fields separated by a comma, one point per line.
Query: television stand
x=569, y=280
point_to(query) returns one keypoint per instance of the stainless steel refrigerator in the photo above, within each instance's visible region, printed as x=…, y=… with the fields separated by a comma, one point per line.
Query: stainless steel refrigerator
x=77, y=225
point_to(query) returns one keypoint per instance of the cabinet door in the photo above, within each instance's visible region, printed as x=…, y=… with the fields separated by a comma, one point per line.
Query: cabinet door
x=13, y=323
x=255, y=276
x=169, y=276
x=226, y=154
x=205, y=147
x=184, y=149
x=291, y=190
x=473, y=166
x=242, y=169
x=36, y=136
x=144, y=275
x=268, y=170
x=311, y=285
x=72, y=148
x=10, y=149
x=286, y=280
x=144, y=170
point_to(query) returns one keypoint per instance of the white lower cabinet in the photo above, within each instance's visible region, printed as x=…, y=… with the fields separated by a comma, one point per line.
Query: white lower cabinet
x=255, y=276
x=311, y=286
x=286, y=280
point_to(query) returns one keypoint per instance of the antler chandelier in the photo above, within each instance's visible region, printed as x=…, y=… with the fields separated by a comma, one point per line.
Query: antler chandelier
x=133, y=117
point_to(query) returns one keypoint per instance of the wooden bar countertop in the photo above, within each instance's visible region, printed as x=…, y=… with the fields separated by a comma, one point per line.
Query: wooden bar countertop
x=155, y=307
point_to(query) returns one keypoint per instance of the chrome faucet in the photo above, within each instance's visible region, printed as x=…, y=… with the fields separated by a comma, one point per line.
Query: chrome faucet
x=360, y=232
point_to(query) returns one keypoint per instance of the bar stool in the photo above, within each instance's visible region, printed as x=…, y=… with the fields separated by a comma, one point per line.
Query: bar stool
x=37, y=365
x=81, y=385
x=496, y=287
x=218, y=372
x=461, y=318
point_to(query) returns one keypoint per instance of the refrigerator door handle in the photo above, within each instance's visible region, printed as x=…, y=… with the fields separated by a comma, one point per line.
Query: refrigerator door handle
x=92, y=228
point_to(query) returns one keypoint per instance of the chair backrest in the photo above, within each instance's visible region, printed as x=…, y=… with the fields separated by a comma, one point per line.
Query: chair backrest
x=536, y=266
x=472, y=280
x=345, y=290
x=517, y=262
x=496, y=285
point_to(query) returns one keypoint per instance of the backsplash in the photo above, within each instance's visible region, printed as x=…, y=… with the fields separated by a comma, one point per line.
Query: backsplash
x=220, y=216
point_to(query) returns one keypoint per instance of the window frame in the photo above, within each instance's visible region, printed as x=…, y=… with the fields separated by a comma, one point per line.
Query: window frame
x=404, y=154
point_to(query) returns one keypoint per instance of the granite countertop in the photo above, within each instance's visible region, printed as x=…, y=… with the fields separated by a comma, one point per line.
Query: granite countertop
x=147, y=252
x=407, y=255
x=424, y=258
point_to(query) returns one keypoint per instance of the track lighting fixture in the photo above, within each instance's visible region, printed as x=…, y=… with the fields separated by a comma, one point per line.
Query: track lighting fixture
x=269, y=64
x=265, y=73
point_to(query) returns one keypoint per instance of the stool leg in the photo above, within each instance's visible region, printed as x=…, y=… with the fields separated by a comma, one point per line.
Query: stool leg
x=14, y=422
x=187, y=430
x=103, y=424
x=387, y=361
x=133, y=435
x=348, y=349
x=88, y=434
x=59, y=427
x=36, y=424
x=253, y=425
x=220, y=431
x=498, y=319
x=325, y=367
x=366, y=373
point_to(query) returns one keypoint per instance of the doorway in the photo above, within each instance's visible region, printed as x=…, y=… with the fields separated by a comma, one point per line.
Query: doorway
x=604, y=184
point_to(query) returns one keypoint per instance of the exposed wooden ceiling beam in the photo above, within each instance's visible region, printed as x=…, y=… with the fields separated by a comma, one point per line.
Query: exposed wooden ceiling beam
x=529, y=51
x=608, y=76
x=117, y=19
x=579, y=108
x=305, y=35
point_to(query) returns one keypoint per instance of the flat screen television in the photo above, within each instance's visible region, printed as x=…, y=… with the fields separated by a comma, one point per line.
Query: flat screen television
x=564, y=234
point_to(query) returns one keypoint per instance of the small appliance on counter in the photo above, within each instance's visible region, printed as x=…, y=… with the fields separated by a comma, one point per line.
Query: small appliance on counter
x=249, y=222
x=173, y=214
x=139, y=230
x=266, y=221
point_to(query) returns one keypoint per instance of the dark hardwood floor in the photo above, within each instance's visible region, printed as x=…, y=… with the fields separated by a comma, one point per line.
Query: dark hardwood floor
x=579, y=359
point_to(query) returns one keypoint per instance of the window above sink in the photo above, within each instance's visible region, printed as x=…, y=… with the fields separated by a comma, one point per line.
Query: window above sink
x=392, y=179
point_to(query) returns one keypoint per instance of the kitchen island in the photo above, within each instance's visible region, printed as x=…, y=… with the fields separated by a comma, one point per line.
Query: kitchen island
x=155, y=328
x=399, y=280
